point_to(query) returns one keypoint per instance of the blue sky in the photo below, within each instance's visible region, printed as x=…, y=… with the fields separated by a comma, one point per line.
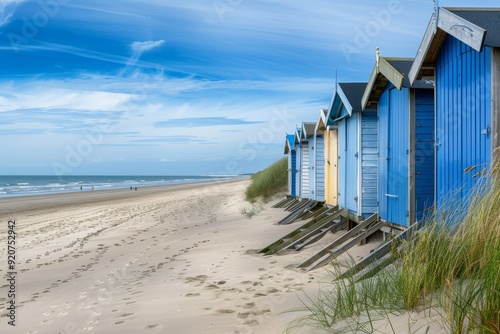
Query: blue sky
x=163, y=87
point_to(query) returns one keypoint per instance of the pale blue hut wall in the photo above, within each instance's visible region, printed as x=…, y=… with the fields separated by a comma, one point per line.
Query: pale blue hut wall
x=312, y=175
x=369, y=163
x=304, y=170
x=317, y=168
x=348, y=162
x=463, y=117
x=320, y=168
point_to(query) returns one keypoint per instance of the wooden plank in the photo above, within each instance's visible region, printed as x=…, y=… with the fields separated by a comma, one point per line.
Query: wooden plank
x=315, y=228
x=292, y=236
x=339, y=251
x=320, y=233
x=339, y=241
x=411, y=158
x=379, y=252
x=495, y=97
x=391, y=73
x=421, y=56
x=304, y=229
x=463, y=30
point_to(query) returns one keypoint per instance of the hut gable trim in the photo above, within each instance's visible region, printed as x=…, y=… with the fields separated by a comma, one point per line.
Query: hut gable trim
x=347, y=98
x=456, y=22
x=383, y=72
x=321, y=123
x=308, y=129
x=289, y=143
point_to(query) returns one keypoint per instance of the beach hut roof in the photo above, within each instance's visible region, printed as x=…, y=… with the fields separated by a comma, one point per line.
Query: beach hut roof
x=298, y=135
x=476, y=27
x=308, y=129
x=349, y=95
x=388, y=70
x=321, y=123
x=289, y=143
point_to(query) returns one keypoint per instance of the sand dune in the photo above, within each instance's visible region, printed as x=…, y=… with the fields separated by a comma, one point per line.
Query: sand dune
x=160, y=260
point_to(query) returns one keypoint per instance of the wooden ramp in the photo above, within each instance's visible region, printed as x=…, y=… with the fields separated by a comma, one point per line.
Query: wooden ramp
x=379, y=258
x=324, y=218
x=363, y=230
x=333, y=222
x=304, y=208
x=284, y=202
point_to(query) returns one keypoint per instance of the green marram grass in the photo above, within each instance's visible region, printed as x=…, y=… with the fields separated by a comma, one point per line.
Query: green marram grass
x=450, y=267
x=268, y=182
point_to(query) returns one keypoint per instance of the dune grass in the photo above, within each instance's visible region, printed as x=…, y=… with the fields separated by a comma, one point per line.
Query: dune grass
x=450, y=267
x=268, y=182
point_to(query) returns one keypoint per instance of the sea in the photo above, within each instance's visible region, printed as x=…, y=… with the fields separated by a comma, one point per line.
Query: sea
x=18, y=185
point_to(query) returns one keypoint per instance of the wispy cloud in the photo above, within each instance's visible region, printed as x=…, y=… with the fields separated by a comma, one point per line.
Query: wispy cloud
x=203, y=121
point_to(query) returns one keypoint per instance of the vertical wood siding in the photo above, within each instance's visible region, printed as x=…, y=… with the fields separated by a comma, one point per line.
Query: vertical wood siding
x=320, y=168
x=424, y=151
x=293, y=173
x=463, y=117
x=298, y=172
x=304, y=166
x=348, y=163
x=369, y=163
x=393, y=167
x=331, y=167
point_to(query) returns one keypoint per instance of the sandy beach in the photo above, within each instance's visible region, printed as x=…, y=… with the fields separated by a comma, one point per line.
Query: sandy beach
x=178, y=259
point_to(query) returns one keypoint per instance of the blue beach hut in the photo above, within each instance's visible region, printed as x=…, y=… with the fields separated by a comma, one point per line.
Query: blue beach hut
x=298, y=161
x=460, y=53
x=307, y=158
x=357, y=150
x=292, y=163
x=406, y=140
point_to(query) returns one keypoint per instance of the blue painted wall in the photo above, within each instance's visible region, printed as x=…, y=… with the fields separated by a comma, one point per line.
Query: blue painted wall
x=312, y=175
x=293, y=169
x=463, y=116
x=369, y=163
x=394, y=181
x=424, y=151
x=298, y=166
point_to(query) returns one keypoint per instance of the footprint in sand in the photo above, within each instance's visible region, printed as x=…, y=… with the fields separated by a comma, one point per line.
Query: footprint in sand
x=154, y=328
x=192, y=295
x=249, y=305
x=251, y=322
x=225, y=311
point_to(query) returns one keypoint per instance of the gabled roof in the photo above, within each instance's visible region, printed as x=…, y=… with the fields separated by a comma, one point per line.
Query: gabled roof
x=389, y=70
x=321, y=123
x=298, y=135
x=348, y=95
x=386, y=70
x=289, y=143
x=308, y=129
x=475, y=27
